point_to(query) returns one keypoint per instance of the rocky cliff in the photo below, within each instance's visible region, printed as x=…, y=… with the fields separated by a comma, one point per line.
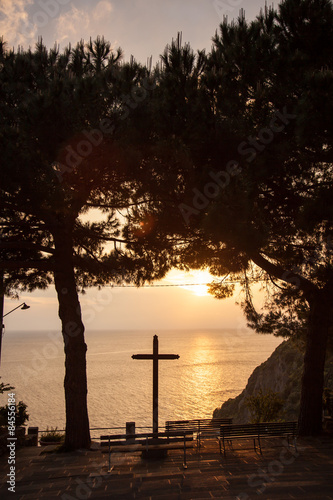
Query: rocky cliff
x=281, y=373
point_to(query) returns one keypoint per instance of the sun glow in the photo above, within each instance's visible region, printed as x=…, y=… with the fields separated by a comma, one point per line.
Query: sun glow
x=199, y=290
x=197, y=281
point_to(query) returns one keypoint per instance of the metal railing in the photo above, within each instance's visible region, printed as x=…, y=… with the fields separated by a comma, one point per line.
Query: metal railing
x=94, y=434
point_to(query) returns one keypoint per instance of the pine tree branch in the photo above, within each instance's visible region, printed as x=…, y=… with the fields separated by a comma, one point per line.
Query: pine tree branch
x=283, y=274
x=99, y=237
x=116, y=206
x=41, y=265
x=22, y=245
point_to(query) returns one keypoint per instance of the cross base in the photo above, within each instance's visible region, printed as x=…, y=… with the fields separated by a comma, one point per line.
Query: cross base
x=154, y=454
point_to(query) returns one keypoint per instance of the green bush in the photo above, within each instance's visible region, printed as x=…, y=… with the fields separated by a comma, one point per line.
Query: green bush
x=328, y=401
x=20, y=418
x=51, y=435
x=5, y=387
x=21, y=415
x=264, y=407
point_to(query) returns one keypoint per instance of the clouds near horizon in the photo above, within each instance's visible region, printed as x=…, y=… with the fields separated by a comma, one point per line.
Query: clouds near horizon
x=141, y=27
x=14, y=22
x=82, y=23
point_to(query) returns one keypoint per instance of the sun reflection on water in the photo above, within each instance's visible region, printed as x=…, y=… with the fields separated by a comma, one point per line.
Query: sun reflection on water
x=213, y=366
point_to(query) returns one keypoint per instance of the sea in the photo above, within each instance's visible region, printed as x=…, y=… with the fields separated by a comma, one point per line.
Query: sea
x=213, y=366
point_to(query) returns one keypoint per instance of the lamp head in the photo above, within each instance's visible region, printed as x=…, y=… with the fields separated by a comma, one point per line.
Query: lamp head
x=25, y=306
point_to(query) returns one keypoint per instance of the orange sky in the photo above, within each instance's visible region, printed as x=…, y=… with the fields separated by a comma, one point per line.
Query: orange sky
x=141, y=28
x=132, y=308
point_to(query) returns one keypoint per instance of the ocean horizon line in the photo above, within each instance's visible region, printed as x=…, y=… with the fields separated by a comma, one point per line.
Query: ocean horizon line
x=148, y=330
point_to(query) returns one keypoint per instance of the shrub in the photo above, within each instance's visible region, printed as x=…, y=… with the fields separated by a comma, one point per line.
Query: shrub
x=51, y=435
x=264, y=407
x=21, y=415
x=328, y=401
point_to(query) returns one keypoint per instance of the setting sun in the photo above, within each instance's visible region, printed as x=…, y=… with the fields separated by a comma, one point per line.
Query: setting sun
x=200, y=290
x=197, y=281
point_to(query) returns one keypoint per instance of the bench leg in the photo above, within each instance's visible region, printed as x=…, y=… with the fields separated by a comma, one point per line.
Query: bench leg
x=110, y=468
x=184, y=464
x=259, y=443
x=294, y=442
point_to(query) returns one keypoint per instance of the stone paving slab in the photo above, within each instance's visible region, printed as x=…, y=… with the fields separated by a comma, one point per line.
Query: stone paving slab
x=278, y=474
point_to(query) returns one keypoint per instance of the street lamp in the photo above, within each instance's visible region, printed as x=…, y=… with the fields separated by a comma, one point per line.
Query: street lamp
x=23, y=306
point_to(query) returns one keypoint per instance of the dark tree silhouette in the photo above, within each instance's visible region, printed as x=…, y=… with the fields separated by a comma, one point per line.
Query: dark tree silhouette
x=282, y=75
x=62, y=150
x=251, y=141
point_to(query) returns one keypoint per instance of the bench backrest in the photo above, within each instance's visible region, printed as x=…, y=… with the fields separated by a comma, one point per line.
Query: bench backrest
x=271, y=428
x=196, y=425
x=134, y=438
x=239, y=430
x=259, y=429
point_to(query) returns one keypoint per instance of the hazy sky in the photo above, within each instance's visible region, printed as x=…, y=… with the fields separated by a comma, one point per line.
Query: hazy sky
x=133, y=308
x=142, y=28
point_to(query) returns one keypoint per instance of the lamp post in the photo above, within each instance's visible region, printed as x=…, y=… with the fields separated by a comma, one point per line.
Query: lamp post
x=23, y=306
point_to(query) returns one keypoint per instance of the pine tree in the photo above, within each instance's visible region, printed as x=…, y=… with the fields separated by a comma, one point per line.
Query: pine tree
x=62, y=149
x=253, y=167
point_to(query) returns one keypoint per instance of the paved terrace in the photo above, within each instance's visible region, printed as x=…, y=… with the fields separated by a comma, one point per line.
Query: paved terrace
x=243, y=474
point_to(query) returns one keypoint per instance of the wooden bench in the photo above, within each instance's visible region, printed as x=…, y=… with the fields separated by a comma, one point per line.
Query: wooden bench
x=147, y=441
x=203, y=428
x=258, y=431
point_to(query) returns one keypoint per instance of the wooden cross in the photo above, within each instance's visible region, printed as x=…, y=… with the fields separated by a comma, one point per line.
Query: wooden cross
x=155, y=357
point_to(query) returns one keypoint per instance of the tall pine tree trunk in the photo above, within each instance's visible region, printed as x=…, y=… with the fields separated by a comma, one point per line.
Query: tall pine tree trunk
x=320, y=321
x=75, y=384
